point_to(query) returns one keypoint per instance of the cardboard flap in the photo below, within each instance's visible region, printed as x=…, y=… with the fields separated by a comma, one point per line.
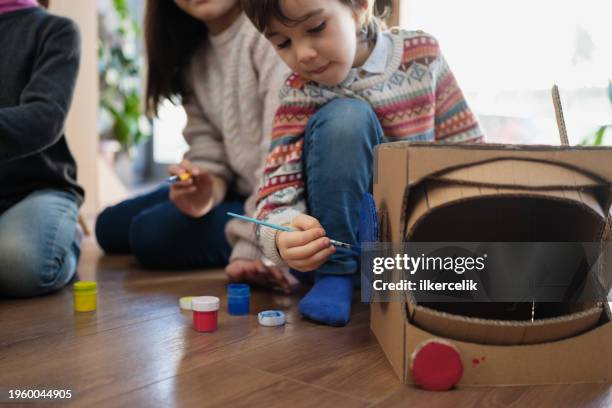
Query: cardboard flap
x=427, y=159
x=579, y=359
x=524, y=174
x=504, y=332
x=485, y=212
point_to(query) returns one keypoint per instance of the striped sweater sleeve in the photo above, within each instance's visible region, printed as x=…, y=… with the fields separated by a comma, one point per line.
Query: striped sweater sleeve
x=422, y=101
x=281, y=192
x=454, y=120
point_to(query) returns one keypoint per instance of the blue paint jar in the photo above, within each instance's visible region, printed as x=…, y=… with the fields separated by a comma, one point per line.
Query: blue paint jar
x=238, y=299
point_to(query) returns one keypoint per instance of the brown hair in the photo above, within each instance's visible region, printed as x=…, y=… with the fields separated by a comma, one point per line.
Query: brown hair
x=171, y=38
x=44, y=3
x=261, y=11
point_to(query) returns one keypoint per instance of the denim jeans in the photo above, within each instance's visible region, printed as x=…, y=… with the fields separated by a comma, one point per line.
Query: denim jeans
x=338, y=158
x=160, y=236
x=39, y=247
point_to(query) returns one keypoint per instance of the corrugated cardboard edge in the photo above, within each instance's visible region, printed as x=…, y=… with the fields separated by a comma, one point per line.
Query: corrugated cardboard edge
x=487, y=331
x=419, y=213
x=426, y=160
x=433, y=158
x=390, y=337
x=508, y=172
x=586, y=358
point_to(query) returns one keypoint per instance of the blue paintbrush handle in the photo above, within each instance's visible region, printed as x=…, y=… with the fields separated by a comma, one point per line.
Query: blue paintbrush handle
x=287, y=229
x=265, y=224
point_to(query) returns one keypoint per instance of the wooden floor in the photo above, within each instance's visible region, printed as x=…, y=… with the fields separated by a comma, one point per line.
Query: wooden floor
x=138, y=350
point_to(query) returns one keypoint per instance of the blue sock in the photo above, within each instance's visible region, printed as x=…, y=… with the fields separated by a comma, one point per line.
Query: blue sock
x=329, y=300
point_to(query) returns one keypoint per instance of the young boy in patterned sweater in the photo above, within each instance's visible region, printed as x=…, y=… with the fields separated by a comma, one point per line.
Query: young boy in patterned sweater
x=353, y=86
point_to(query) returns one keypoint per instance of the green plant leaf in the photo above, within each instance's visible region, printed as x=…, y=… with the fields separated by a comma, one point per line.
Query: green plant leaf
x=599, y=135
x=121, y=7
x=597, y=139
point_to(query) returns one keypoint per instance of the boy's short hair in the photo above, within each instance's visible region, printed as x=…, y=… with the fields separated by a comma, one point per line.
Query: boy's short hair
x=260, y=12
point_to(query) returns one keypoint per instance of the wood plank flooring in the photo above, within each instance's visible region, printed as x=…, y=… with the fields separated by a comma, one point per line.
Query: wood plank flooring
x=139, y=350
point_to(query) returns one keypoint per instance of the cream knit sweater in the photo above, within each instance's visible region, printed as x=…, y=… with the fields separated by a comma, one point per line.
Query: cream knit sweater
x=234, y=79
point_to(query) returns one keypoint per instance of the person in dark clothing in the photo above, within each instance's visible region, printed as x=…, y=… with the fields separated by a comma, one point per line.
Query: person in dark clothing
x=39, y=195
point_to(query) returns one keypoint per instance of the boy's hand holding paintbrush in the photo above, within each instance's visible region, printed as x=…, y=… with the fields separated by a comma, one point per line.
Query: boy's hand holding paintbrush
x=194, y=190
x=303, y=244
x=306, y=248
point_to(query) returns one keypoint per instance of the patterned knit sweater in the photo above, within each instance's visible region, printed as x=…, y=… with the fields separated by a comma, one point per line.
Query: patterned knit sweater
x=416, y=99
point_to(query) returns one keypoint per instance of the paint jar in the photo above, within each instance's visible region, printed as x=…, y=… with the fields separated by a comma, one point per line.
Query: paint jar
x=205, y=310
x=238, y=299
x=85, y=296
x=185, y=305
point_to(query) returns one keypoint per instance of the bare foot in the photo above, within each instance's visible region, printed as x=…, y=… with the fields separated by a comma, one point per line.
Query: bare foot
x=260, y=274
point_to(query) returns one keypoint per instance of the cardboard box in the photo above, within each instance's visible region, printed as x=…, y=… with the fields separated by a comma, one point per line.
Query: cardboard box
x=498, y=193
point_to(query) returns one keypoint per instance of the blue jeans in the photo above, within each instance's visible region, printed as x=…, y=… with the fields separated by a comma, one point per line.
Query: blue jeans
x=160, y=236
x=338, y=158
x=39, y=250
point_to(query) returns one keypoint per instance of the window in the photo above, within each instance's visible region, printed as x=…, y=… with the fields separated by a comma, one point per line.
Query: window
x=507, y=55
x=168, y=143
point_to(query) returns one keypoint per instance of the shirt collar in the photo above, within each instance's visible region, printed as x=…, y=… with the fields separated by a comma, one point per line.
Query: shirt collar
x=377, y=61
x=375, y=64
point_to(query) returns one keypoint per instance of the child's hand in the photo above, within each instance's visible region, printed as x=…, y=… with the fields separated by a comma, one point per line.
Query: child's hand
x=254, y=271
x=197, y=195
x=307, y=249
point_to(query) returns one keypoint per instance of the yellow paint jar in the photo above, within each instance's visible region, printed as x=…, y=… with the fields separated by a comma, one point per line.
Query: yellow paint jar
x=85, y=296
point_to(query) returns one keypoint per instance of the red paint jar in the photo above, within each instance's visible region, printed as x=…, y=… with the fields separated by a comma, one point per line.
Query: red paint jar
x=205, y=309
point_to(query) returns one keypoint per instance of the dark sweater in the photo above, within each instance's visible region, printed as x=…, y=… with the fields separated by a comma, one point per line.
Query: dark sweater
x=39, y=62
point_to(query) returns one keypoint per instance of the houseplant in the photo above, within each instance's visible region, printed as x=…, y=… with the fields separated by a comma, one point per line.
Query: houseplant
x=120, y=65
